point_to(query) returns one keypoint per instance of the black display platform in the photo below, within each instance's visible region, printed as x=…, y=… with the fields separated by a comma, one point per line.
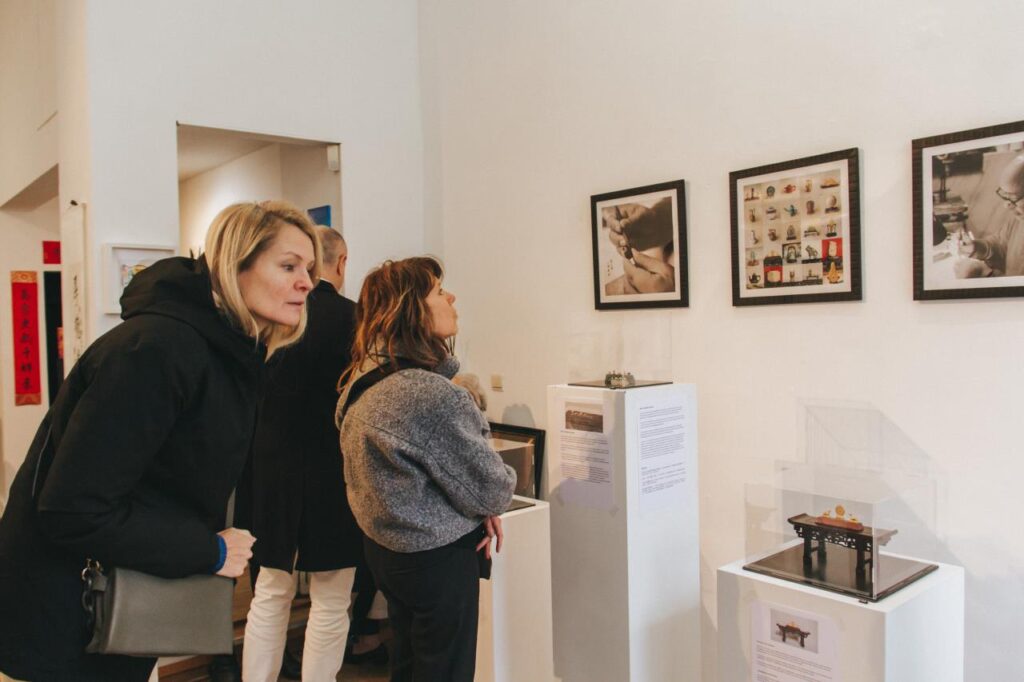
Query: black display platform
x=599, y=383
x=838, y=573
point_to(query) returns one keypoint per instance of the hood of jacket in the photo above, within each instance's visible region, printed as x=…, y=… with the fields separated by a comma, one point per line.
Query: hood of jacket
x=180, y=288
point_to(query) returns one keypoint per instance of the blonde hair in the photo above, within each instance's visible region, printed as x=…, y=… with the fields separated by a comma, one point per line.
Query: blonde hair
x=236, y=238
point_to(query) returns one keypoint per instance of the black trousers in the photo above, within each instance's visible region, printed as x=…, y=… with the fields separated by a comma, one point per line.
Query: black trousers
x=433, y=605
x=365, y=589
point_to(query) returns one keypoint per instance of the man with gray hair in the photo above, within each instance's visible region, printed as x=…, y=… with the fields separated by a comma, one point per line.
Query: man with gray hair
x=299, y=507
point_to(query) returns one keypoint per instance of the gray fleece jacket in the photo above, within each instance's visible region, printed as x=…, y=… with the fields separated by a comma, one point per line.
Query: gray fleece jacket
x=419, y=468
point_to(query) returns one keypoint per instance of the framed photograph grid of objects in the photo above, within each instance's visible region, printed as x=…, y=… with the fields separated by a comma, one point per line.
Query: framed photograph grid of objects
x=796, y=231
x=639, y=238
x=968, y=213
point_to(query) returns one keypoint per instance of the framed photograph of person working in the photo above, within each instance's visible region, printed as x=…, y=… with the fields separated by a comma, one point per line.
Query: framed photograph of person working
x=968, y=208
x=796, y=230
x=640, y=247
x=522, y=448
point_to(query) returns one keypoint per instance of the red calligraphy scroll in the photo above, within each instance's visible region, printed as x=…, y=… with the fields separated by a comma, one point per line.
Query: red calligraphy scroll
x=25, y=308
x=51, y=253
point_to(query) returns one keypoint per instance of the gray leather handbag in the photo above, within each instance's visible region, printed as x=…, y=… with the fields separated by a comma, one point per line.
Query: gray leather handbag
x=137, y=614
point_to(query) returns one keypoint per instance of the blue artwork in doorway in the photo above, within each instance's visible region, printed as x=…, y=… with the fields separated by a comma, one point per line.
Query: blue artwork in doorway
x=321, y=215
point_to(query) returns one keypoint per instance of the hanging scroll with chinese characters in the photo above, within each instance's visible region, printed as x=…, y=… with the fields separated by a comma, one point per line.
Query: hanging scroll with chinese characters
x=25, y=309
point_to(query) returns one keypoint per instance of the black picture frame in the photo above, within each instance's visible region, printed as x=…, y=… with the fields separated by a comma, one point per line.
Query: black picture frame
x=974, y=242
x=653, y=219
x=524, y=434
x=809, y=207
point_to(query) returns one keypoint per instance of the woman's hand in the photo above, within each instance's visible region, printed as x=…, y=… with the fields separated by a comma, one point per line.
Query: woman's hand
x=239, y=543
x=492, y=524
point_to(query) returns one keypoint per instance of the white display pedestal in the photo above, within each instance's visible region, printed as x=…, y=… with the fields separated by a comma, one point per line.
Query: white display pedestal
x=514, y=639
x=622, y=469
x=913, y=635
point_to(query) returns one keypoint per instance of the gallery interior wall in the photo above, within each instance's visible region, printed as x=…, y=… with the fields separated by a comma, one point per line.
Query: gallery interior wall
x=341, y=71
x=96, y=87
x=539, y=105
x=28, y=93
x=22, y=232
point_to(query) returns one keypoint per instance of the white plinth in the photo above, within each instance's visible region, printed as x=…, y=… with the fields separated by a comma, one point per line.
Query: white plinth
x=514, y=640
x=914, y=635
x=625, y=553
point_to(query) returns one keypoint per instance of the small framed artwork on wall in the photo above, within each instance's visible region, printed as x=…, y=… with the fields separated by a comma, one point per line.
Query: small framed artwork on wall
x=121, y=262
x=639, y=240
x=796, y=231
x=969, y=213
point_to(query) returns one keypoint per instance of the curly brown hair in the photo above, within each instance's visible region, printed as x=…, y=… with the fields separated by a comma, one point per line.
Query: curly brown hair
x=392, y=317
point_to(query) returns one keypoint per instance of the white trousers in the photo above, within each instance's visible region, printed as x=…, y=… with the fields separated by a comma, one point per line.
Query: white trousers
x=266, y=626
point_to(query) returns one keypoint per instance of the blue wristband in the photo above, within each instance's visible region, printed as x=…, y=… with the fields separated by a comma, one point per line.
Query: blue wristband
x=223, y=554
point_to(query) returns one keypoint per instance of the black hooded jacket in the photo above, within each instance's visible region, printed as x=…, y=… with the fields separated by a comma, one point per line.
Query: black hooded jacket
x=148, y=436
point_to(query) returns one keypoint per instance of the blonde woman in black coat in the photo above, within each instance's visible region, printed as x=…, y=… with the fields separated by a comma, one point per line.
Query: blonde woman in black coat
x=148, y=436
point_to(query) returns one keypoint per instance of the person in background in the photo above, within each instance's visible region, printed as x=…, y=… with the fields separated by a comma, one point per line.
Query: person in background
x=423, y=481
x=148, y=436
x=299, y=508
x=1001, y=253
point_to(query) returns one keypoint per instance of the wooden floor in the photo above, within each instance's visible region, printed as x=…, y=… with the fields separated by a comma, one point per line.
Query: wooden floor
x=195, y=669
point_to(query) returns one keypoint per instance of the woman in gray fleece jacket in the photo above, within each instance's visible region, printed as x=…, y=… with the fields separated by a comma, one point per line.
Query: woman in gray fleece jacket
x=423, y=482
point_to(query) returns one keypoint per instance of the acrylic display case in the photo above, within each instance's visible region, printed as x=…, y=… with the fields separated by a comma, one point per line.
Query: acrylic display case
x=843, y=530
x=857, y=516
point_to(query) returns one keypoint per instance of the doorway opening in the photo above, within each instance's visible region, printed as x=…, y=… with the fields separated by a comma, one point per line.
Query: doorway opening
x=218, y=167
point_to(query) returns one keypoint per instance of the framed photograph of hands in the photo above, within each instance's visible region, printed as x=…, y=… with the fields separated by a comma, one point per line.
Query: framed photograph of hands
x=969, y=213
x=640, y=247
x=796, y=231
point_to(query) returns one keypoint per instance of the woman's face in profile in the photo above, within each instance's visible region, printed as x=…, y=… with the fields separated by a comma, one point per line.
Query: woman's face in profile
x=443, y=318
x=274, y=289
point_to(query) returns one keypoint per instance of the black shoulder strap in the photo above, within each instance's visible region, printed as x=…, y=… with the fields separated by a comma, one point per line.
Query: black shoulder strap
x=43, y=462
x=372, y=377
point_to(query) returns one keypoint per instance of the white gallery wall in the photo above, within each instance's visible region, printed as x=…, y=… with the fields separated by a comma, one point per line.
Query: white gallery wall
x=22, y=233
x=338, y=71
x=533, y=106
x=99, y=86
x=28, y=93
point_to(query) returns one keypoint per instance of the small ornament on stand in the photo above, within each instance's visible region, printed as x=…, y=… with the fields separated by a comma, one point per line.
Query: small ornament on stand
x=619, y=380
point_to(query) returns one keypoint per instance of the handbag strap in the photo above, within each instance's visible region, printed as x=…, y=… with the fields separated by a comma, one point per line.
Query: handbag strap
x=43, y=463
x=363, y=383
